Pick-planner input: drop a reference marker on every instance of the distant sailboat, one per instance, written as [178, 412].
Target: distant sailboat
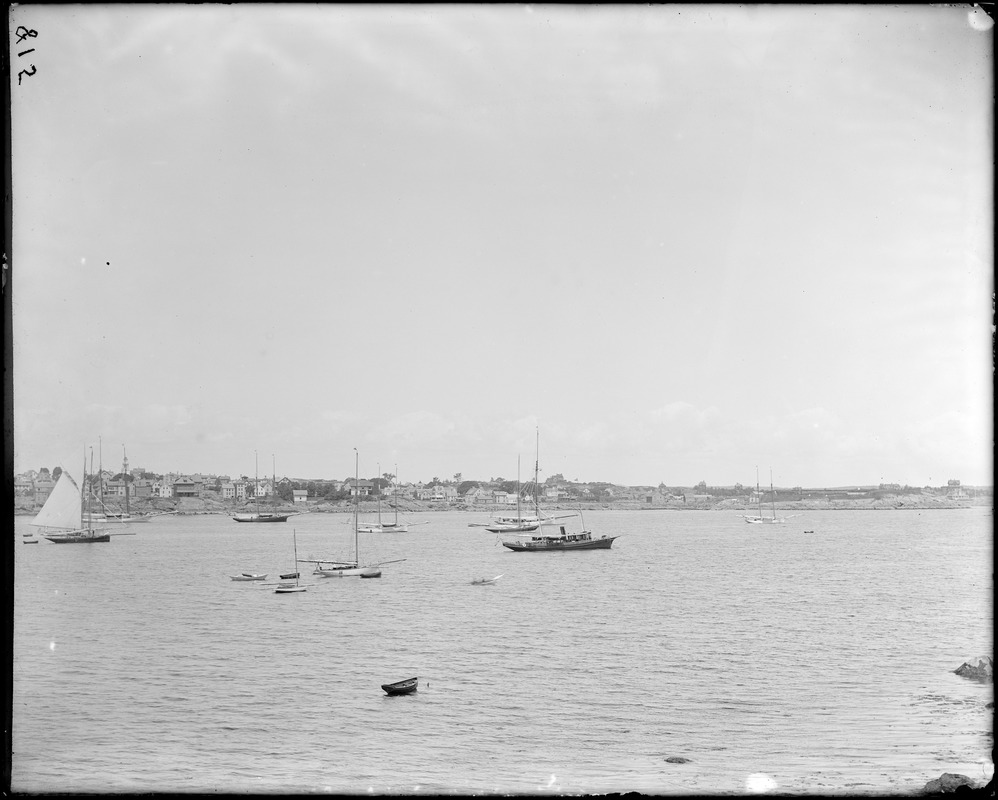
[388, 527]
[521, 523]
[257, 515]
[760, 519]
[328, 568]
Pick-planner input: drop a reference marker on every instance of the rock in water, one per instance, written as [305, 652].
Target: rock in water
[677, 760]
[978, 669]
[946, 783]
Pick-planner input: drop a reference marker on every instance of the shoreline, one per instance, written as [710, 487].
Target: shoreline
[211, 506]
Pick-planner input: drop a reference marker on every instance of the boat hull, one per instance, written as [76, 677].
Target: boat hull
[511, 528]
[401, 687]
[340, 573]
[555, 545]
[80, 539]
[261, 517]
[383, 529]
[248, 577]
[289, 588]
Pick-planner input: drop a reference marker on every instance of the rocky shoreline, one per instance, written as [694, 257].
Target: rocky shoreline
[210, 505]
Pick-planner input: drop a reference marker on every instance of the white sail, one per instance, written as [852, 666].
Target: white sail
[62, 509]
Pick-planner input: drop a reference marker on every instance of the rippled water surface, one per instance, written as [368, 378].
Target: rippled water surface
[806, 662]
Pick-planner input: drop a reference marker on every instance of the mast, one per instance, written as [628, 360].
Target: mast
[295, 537]
[379, 494]
[273, 486]
[256, 482]
[395, 480]
[519, 516]
[772, 493]
[758, 491]
[124, 477]
[100, 469]
[84, 498]
[356, 507]
[537, 456]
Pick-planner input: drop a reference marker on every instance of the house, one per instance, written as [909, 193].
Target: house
[299, 495]
[476, 494]
[141, 487]
[363, 488]
[228, 491]
[187, 487]
[43, 488]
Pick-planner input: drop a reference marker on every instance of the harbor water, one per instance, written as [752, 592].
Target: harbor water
[815, 656]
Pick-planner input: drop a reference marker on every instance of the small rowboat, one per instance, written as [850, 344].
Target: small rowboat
[401, 687]
[485, 581]
[290, 576]
[290, 588]
[249, 576]
[371, 573]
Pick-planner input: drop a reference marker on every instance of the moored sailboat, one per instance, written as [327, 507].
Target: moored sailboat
[328, 568]
[286, 587]
[257, 515]
[388, 527]
[760, 519]
[522, 523]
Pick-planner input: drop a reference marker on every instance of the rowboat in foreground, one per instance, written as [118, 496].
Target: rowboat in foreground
[401, 687]
[481, 581]
[249, 576]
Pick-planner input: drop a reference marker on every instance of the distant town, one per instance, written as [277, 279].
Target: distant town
[31, 489]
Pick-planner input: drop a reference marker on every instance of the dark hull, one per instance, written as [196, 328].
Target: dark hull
[605, 543]
[262, 518]
[401, 687]
[79, 539]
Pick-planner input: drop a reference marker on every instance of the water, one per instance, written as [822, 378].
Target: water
[809, 662]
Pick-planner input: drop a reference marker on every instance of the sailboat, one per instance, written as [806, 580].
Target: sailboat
[521, 523]
[327, 568]
[257, 515]
[67, 516]
[388, 527]
[759, 519]
[286, 587]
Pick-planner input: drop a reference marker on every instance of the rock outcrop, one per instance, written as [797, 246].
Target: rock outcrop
[948, 782]
[978, 669]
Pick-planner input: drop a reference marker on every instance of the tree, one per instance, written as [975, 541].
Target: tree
[44, 473]
[457, 477]
[56, 473]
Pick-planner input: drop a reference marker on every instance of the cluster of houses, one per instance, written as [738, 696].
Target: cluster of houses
[142, 484]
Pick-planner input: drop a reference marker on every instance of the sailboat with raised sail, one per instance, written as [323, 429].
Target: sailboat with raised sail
[66, 516]
[330, 568]
[257, 515]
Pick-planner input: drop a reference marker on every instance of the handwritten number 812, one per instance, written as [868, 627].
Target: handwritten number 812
[22, 34]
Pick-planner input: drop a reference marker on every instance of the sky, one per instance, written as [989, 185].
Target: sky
[634, 244]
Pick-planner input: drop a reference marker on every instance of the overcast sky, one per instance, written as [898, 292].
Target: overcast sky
[682, 242]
